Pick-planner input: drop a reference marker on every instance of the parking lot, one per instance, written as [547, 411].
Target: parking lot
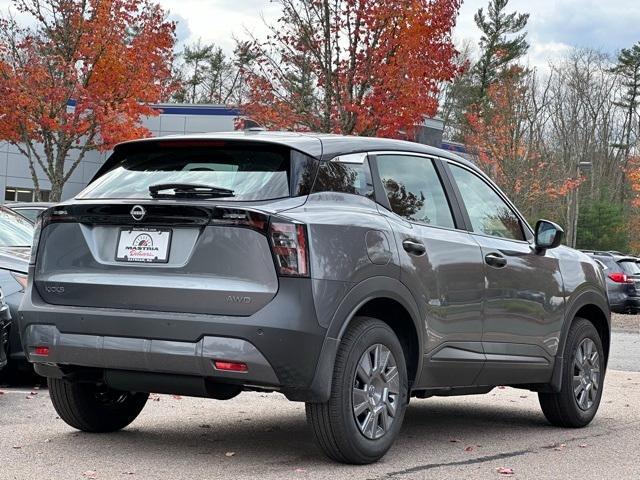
[265, 436]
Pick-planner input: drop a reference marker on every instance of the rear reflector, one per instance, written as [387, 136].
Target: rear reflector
[620, 278]
[230, 366]
[44, 351]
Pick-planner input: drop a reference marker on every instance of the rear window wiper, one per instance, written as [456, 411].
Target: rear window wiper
[188, 190]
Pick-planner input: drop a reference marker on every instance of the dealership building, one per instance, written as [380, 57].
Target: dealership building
[16, 183]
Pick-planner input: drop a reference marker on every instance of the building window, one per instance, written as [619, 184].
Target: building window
[19, 194]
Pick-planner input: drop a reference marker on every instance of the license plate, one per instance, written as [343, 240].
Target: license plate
[146, 245]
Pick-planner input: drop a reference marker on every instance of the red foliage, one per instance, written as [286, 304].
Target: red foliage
[354, 66]
[108, 57]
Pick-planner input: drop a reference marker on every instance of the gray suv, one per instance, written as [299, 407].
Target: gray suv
[347, 273]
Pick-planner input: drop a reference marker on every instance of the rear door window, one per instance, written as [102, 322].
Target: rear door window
[344, 177]
[252, 172]
[630, 267]
[414, 189]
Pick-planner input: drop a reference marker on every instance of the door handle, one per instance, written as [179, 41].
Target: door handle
[495, 259]
[414, 246]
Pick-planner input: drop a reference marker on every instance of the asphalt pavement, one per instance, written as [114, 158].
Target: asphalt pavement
[265, 436]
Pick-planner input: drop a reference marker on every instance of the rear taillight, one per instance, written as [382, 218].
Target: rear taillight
[620, 278]
[290, 248]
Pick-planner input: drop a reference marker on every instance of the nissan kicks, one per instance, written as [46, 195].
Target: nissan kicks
[348, 273]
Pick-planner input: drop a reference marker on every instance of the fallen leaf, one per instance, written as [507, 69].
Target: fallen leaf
[501, 387]
[33, 393]
[583, 445]
[90, 474]
[1, 392]
[17, 447]
[524, 396]
[176, 397]
[470, 448]
[505, 471]
[229, 454]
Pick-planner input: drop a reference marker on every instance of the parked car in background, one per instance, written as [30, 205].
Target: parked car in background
[16, 236]
[31, 210]
[348, 273]
[623, 280]
[5, 319]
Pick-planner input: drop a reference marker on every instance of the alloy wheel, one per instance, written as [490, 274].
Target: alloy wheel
[376, 391]
[586, 374]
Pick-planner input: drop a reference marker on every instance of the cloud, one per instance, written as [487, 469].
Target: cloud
[183, 33]
[556, 25]
[220, 21]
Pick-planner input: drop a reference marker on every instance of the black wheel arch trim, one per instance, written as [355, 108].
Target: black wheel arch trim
[370, 289]
[587, 297]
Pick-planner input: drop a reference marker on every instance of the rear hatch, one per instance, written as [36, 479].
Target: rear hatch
[192, 227]
[632, 271]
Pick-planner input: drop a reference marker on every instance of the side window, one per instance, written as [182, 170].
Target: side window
[489, 214]
[414, 189]
[352, 178]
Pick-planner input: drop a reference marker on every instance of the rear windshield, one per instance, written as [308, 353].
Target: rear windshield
[251, 172]
[630, 267]
[15, 230]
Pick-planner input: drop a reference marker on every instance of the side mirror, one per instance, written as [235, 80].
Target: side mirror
[548, 235]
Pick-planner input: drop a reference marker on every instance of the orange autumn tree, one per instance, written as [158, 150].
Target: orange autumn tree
[79, 78]
[505, 142]
[366, 67]
[633, 225]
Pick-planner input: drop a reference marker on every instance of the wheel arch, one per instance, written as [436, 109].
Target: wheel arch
[386, 299]
[592, 306]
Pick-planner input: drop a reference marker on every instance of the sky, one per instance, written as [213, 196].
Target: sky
[554, 25]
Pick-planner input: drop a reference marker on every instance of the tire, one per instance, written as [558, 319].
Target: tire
[566, 408]
[343, 436]
[94, 408]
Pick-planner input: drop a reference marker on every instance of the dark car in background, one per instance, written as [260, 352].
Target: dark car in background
[623, 280]
[5, 319]
[30, 210]
[16, 236]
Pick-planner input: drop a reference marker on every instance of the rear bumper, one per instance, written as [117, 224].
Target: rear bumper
[628, 305]
[157, 356]
[283, 344]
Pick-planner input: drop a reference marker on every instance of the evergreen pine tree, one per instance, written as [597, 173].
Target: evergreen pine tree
[498, 47]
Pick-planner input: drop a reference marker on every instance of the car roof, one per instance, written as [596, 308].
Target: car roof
[616, 256]
[322, 146]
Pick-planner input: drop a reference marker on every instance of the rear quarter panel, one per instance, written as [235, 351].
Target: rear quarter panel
[349, 242]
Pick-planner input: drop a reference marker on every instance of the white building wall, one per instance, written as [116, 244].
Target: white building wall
[175, 119]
